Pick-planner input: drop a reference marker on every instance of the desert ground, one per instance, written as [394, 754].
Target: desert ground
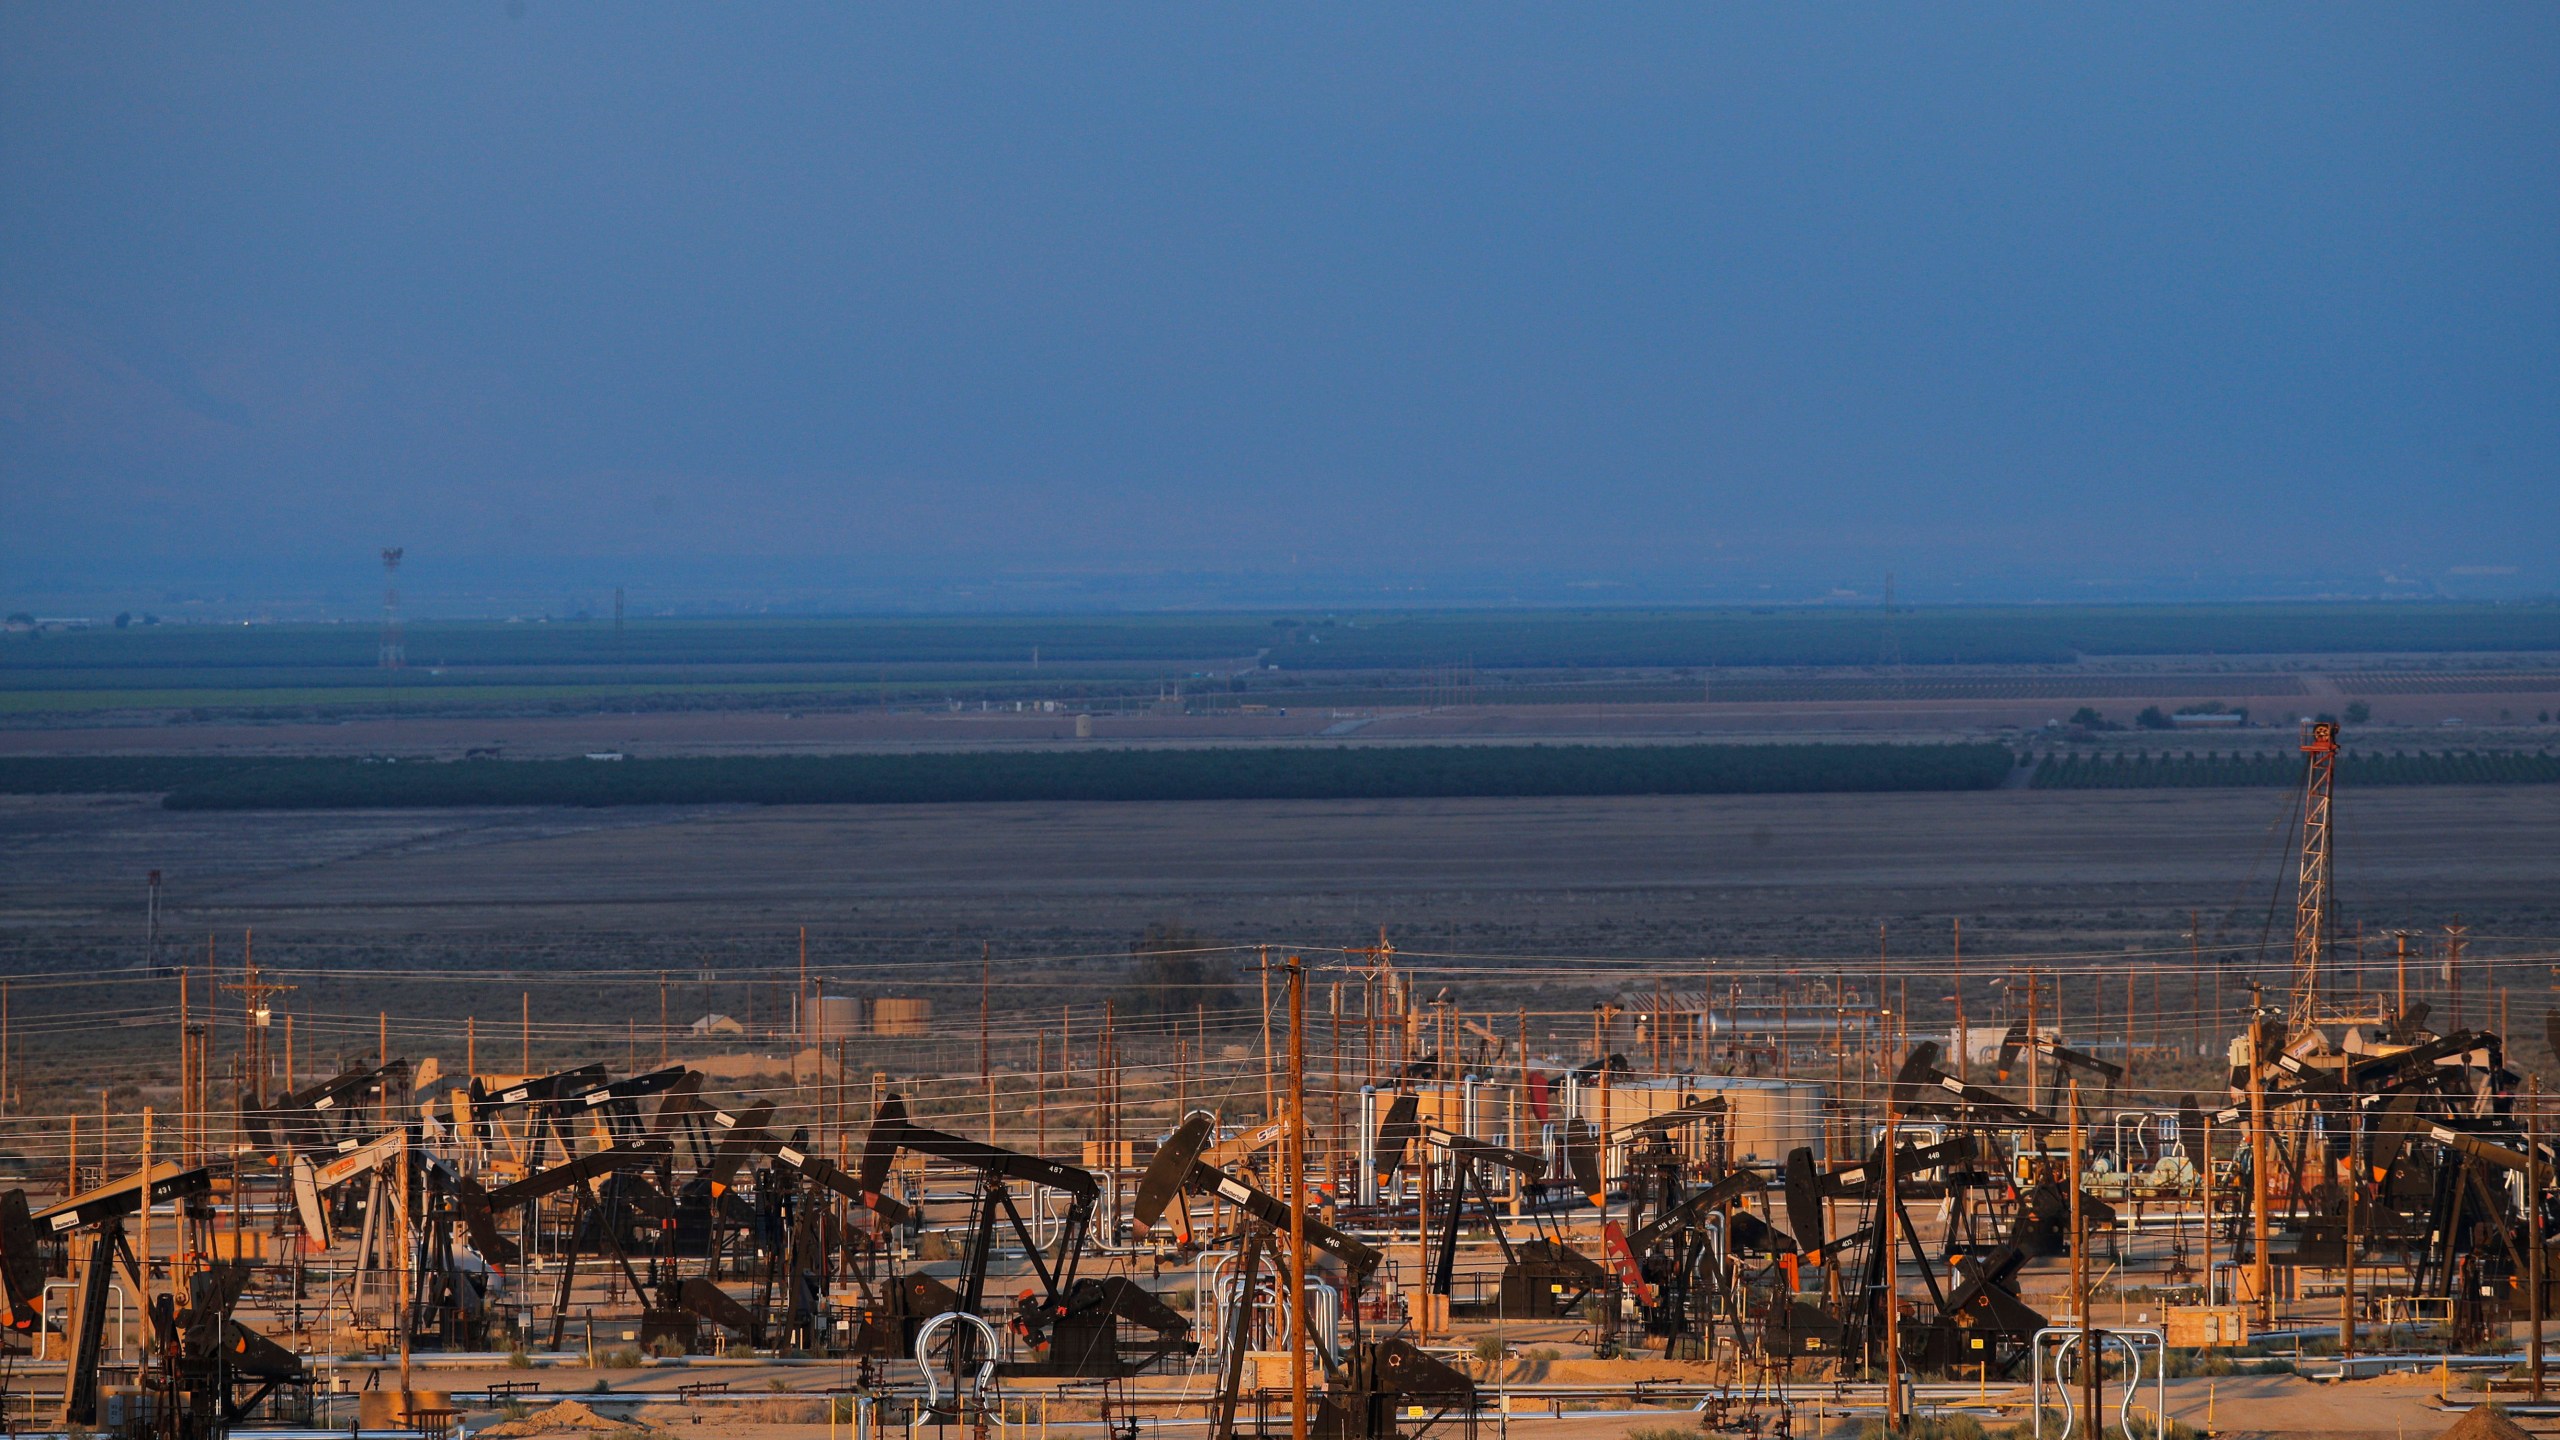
[448, 910]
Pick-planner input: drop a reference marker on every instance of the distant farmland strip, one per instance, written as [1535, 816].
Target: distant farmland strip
[1562, 639]
[1765, 689]
[2182, 772]
[2437, 682]
[1339, 773]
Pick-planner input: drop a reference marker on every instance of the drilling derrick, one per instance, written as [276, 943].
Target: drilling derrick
[2312, 902]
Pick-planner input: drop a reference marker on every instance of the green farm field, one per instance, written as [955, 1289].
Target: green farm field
[1543, 657]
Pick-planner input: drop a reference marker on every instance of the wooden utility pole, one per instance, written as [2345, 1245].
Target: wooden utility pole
[408, 1283]
[986, 1069]
[1270, 1103]
[2035, 1071]
[1785, 1024]
[1604, 1018]
[2261, 1265]
[2453, 935]
[2355, 1191]
[1964, 1037]
[1333, 1091]
[186, 1076]
[2536, 1176]
[2206, 1171]
[1109, 1058]
[1295, 1153]
[1888, 1236]
[142, 1260]
[525, 1059]
[1884, 1006]
[2092, 1383]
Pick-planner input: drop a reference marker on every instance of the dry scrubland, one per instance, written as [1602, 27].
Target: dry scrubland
[919, 888]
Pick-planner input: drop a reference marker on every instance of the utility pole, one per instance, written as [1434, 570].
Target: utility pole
[986, 1071]
[408, 1282]
[186, 1076]
[2536, 1176]
[1604, 1019]
[2195, 974]
[2128, 1021]
[2206, 1171]
[255, 995]
[2261, 1266]
[1964, 1037]
[142, 1262]
[2453, 937]
[1884, 1006]
[2035, 1086]
[1888, 1237]
[2355, 1192]
[2092, 1382]
[1296, 1155]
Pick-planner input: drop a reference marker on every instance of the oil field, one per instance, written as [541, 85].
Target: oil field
[1776, 1082]
[1395, 721]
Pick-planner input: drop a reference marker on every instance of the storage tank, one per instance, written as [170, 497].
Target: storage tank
[833, 1017]
[901, 1017]
[1765, 1117]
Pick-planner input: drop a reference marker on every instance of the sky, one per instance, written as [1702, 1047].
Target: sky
[839, 306]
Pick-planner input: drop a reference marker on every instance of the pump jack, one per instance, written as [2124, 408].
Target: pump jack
[1374, 1381]
[323, 1116]
[1679, 1238]
[1073, 1324]
[1542, 1276]
[203, 1355]
[574, 1175]
[1403, 1130]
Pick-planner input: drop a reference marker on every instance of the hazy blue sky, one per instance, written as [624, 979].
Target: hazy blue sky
[2010, 300]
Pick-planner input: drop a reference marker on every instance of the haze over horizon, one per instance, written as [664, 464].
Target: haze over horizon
[811, 308]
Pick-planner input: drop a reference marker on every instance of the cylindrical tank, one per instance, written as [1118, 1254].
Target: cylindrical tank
[834, 1017]
[901, 1017]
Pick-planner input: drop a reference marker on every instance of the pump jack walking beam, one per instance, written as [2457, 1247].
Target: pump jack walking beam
[103, 1211]
[892, 1131]
[1177, 1170]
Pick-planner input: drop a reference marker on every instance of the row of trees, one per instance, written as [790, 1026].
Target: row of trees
[1264, 773]
[2168, 772]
